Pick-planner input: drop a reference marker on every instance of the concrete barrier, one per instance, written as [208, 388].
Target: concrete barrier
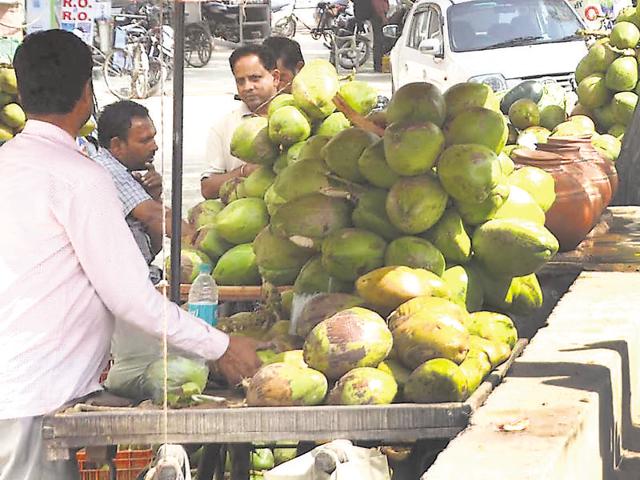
[568, 407]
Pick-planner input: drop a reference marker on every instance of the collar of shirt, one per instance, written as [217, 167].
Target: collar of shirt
[50, 132]
[244, 110]
[104, 156]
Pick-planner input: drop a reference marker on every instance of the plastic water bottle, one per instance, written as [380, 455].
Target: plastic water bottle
[203, 296]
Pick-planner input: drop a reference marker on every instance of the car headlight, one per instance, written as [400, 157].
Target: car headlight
[495, 80]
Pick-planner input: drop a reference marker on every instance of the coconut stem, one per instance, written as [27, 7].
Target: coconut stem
[593, 33]
[357, 119]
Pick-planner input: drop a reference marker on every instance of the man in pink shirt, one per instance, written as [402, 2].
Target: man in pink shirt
[69, 264]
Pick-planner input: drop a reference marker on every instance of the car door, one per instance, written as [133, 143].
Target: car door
[436, 62]
[416, 64]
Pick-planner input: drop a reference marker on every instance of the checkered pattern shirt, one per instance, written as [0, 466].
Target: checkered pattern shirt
[131, 194]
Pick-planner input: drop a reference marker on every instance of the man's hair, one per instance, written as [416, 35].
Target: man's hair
[52, 68]
[264, 54]
[286, 50]
[115, 120]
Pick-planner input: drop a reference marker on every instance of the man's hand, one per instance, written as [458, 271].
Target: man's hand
[240, 361]
[247, 169]
[189, 234]
[151, 182]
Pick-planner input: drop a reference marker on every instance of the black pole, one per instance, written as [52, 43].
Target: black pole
[176, 163]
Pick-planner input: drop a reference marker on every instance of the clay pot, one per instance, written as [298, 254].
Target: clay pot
[589, 153]
[583, 159]
[578, 204]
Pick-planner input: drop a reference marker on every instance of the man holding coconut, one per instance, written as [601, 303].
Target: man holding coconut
[257, 80]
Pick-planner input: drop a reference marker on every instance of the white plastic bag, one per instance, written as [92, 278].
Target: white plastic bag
[170, 462]
[337, 460]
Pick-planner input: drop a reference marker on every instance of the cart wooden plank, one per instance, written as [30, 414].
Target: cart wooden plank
[230, 294]
[613, 245]
[405, 422]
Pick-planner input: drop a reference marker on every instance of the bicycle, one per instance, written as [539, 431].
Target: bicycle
[287, 26]
[346, 39]
[198, 45]
[139, 60]
[198, 41]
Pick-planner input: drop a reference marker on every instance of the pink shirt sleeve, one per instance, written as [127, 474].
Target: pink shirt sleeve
[115, 267]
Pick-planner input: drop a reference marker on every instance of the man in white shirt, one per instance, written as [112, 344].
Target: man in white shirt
[257, 79]
[69, 264]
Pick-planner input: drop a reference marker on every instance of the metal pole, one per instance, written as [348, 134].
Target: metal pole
[176, 163]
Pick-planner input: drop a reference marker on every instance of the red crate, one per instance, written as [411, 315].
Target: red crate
[129, 464]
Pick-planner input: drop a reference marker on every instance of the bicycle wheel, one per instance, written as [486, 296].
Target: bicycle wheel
[363, 47]
[198, 46]
[118, 73]
[141, 86]
[141, 72]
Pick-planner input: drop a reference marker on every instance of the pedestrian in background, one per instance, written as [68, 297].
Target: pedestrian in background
[289, 59]
[376, 12]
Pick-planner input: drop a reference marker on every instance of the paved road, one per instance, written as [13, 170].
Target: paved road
[208, 94]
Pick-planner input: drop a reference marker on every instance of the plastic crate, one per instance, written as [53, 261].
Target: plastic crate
[129, 464]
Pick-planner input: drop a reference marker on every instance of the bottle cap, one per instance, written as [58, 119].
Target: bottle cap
[204, 268]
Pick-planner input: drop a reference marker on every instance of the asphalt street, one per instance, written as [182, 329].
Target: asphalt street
[209, 94]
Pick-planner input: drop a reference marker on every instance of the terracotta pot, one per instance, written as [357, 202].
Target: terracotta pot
[580, 153]
[609, 169]
[589, 153]
[578, 204]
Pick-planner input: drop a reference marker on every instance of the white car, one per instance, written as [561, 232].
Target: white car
[497, 42]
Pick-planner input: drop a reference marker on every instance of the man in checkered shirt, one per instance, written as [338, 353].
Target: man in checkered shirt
[127, 145]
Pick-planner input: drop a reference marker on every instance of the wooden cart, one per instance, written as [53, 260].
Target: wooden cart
[79, 427]
[614, 245]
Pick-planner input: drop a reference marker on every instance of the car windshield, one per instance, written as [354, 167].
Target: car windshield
[481, 25]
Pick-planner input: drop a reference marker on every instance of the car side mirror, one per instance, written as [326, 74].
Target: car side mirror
[430, 46]
[391, 31]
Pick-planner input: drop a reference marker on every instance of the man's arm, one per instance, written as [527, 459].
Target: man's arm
[112, 261]
[117, 271]
[149, 213]
[217, 148]
[210, 186]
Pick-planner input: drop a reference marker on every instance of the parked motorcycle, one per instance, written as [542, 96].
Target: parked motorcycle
[352, 41]
[347, 40]
[223, 20]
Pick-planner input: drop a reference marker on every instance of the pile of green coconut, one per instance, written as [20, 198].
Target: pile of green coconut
[413, 232]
